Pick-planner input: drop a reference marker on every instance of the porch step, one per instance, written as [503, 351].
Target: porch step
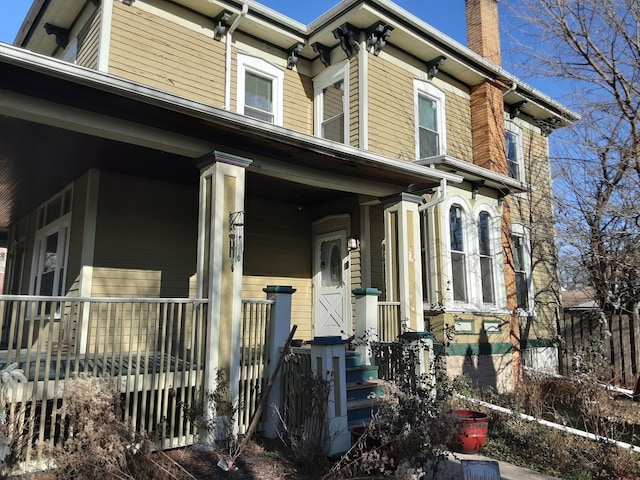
[362, 373]
[352, 359]
[363, 389]
[359, 412]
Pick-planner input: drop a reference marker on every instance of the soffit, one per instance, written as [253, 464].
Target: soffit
[82, 113]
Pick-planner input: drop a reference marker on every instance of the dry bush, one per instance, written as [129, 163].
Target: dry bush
[410, 429]
[97, 442]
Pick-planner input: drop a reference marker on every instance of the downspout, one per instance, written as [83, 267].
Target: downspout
[440, 198]
[512, 88]
[227, 58]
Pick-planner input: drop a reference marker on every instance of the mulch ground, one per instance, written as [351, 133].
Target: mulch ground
[260, 460]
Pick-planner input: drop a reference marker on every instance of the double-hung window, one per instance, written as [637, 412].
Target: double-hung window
[260, 87]
[430, 131]
[515, 157]
[522, 267]
[486, 254]
[331, 105]
[458, 253]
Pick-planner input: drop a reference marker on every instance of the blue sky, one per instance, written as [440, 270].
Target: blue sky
[448, 16]
[445, 16]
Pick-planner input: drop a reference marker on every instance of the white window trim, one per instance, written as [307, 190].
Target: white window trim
[499, 285]
[328, 77]
[428, 89]
[247, 63]
[516, 130]
[467, 234]
[520, 230]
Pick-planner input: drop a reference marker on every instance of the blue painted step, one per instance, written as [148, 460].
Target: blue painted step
[352, 359]
[362, 373]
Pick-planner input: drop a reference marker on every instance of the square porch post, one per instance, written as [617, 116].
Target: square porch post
[220, 240]
[328, 363]
[366, 320]
[403, 259]
[279, 330]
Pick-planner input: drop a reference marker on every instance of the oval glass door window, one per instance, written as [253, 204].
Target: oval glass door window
[331, 260]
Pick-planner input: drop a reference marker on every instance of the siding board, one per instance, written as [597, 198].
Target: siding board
[168, 55]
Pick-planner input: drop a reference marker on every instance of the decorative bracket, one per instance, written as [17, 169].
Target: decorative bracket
[221, 25]
[294, 55]
[548, 125]
[348, 36]
[433, 65]
[516, 109]
[377, 37]
[62, 34]
[475, 186]
[501, 195]
[324, 53]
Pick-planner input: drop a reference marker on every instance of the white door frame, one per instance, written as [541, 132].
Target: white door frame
[331, 299]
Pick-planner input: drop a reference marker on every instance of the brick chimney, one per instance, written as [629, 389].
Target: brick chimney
[483, 30]
[487, 107]
[487, 123]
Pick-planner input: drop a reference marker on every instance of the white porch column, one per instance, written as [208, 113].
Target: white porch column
[220, 255]
[279, 331]
[403, 259]
[366, 319]
[328, 363]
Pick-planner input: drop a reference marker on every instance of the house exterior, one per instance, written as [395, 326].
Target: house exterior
[193, 149]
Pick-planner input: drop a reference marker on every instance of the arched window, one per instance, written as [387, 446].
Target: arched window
[486, 253]
[458, 254]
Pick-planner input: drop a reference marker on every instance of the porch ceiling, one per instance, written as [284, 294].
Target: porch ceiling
[59, 120]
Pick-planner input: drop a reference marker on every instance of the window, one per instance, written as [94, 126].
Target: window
[429, 115]
[522, 267]
[458, 256]
[331, 104]
[515, 160]
[485, 250]
[50, 248]
[260, 87]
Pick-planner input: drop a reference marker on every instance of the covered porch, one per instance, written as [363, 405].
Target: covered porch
[143, 227]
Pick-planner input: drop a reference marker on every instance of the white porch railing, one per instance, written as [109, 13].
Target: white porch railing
[153, 347]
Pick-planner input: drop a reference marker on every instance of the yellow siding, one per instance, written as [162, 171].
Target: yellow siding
[298, 102]
[145, 238]
[354, 102]
[301, 301]
[377, 250]
[78, 212]
[458, 124]
[88, 43]
[277, 240]
[166, 55]
[391, 111]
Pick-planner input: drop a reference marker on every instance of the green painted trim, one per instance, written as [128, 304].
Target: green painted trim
[279, 289]
[223, 157]
[465, 349]
[359, 292]
[541, 343]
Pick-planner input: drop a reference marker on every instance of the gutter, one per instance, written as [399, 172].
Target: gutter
[227, 56]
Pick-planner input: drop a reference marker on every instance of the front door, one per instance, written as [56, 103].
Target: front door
[331, 282]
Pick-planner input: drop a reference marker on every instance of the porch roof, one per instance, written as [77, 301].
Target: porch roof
[60, 120]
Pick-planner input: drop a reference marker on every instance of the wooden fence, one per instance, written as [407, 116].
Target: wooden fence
[586, 332]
